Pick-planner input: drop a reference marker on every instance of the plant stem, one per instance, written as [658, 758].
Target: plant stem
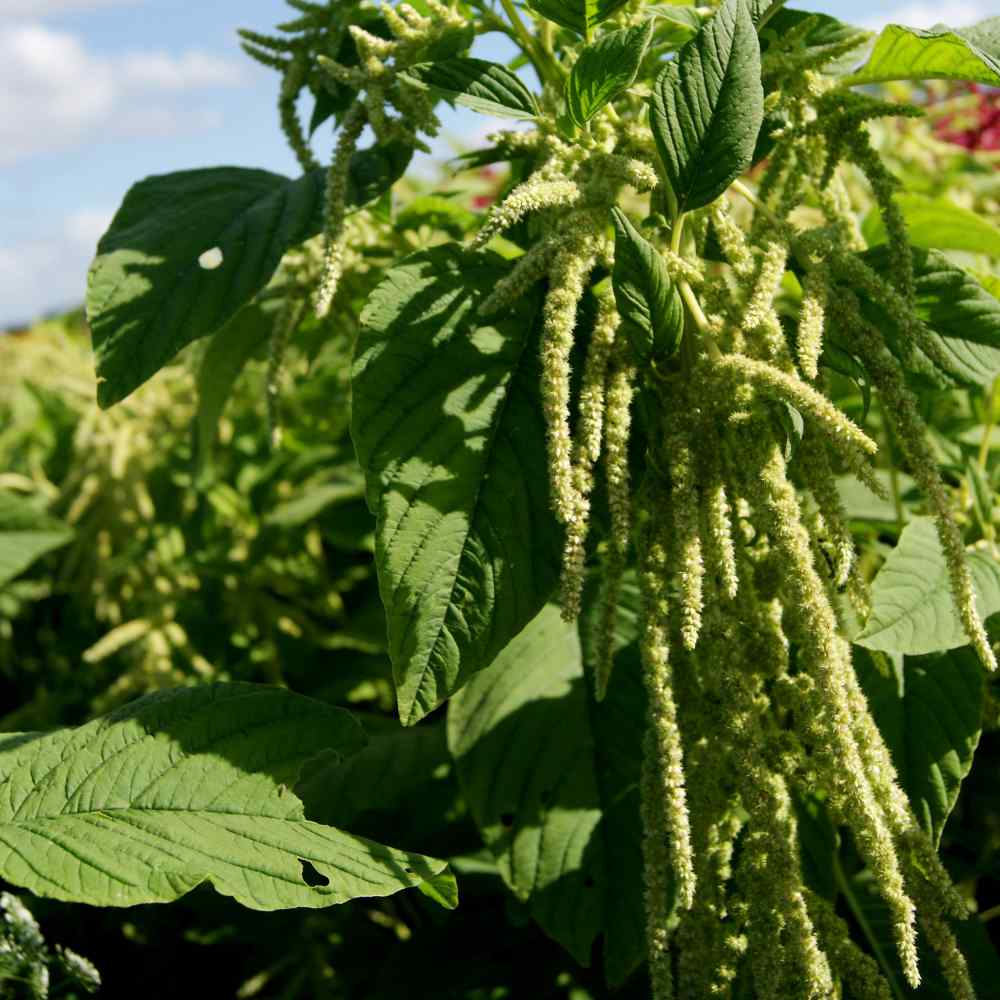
[700, 319]
[526, 40]
[769, 13]
[844, 886]
[894, 486]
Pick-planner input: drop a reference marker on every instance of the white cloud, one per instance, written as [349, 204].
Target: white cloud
[52, 268]
[55, 93]
[42, 8]
[954, 13]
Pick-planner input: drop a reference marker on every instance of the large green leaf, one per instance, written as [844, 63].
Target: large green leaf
[929, 711]
[448, 426]
[402, 780]
[708, 106]
[551, 779]
[184, 787]
[582, 16]
[604, 69]
[963, 317]
[936, 223]
[650, 306]
[26, 533]
[245, 336]
[912, 607]
[187, 250]
[475, 83]
[938, 53]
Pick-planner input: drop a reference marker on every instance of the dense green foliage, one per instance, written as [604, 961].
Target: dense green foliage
[716, 373]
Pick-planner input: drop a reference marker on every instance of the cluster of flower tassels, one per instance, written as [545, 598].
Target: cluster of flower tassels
[740, 543]
[754, 703]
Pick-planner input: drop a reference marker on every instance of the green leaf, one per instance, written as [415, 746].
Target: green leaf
[912, 608]
[581, 16]
[401, 781]
[938, 53]
[937, 223]
[475, 83]
[183, 787]
[340, 485]
[448, 426]
[186, 251]
[26, 534]
[650, 305]
[439, 212]
[604, 69]
[708, 106]
[245, 336]
[963, 317]
[929, 711]
[551, 779]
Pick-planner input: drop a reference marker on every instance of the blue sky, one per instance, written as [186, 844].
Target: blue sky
[95, 94]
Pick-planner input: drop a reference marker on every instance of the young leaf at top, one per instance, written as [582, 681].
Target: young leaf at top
[938, 53]
[448, 427]
[604, 69]
[581, 16]
[551, 779]
[708, 106]
[26, 533]
[964, 318]
[475, 83]
[912, 608]
[650, 307]
[183, 787]
[186, 251]
[929, 711]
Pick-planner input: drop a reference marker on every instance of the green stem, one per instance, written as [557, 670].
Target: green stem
[700, 319]
[845, 888]
[769, 13]
[526, 40]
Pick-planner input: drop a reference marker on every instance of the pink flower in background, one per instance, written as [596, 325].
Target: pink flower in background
[978, 128]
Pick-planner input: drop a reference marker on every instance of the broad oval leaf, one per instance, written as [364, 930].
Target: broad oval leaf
[26, 533]
[938, 53]
[448, 426]
[708, 106]
[475, 83]
[551, 779]
[964, 317]
[912, 607]
[936, 223]
[187, 250]
[929, 710]
[650, 307]
[604, 69]
[581, 16]
[183, 787]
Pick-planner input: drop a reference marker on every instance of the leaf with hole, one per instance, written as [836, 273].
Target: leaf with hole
[483, 86]
[551, 779]
[708, 106]
[604, 69]
[186, 251]
[189, 786]
[448, 426]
